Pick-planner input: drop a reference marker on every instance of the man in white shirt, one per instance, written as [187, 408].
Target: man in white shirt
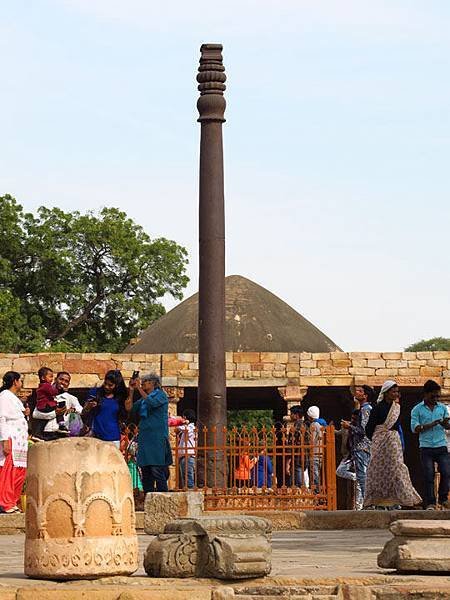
[72, 405]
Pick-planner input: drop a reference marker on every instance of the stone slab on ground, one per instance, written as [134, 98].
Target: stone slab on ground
[299, 590]
[162, 507]
[315, 561]
[417, 546]
[231, 547]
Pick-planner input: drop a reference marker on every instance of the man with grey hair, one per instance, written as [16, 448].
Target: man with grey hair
[152, 409]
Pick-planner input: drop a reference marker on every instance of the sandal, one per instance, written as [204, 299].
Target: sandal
[12, 510]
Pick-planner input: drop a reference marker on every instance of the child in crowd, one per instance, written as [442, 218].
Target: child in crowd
[186, 447]
[124, 432]
[46, 402]
[263, 473]
[130, 458]
[244, 470]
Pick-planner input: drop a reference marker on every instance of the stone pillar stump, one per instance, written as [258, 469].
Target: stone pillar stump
[80, 521]
[417, 546]
[221, 547]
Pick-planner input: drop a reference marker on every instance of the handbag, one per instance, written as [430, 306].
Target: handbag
[75, 424]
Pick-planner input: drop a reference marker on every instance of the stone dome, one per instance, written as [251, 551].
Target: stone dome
[256, 320]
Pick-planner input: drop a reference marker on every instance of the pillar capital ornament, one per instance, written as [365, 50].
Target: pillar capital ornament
[293, 394]
[174, 393]
[211, 84]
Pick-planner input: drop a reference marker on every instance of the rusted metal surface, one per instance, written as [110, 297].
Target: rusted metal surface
[211, 405]
[265, 469]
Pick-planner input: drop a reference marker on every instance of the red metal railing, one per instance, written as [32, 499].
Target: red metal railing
[279, 468]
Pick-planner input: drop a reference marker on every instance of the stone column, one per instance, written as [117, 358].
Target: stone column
[211, 407]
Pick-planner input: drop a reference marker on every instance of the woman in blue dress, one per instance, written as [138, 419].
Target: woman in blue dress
[105, 410]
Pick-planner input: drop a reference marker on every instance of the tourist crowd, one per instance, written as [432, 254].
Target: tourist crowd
[375, 444]
[136, 420]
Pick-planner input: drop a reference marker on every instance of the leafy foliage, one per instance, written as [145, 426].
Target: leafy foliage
[437, 343]
[249, 419]
[80, 282]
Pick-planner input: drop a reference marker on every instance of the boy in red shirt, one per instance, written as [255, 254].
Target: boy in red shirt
[46, 400]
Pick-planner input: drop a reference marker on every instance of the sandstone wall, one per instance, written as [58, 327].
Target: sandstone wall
[246, 369]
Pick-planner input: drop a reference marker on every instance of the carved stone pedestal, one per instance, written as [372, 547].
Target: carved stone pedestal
[80, 520]
[417, 546]
[219, 547]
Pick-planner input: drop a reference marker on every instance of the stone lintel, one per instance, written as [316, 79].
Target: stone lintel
[319, 381]
[412, 381]
[264, 382]
[186, 383]
[169, 381]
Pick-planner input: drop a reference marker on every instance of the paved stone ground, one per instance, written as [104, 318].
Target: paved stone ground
[328, 553]
[312, 555]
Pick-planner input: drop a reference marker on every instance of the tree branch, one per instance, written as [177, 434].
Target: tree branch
[80, 319]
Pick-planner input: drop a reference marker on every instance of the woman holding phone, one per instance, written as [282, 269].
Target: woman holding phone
[104, 410]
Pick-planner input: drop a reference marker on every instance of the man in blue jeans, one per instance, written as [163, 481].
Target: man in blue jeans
[360, 442]
[430, 419]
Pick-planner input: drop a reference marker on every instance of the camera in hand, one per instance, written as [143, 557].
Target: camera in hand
[135, 375]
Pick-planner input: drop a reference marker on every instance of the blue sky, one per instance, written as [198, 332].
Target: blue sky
[336, 142]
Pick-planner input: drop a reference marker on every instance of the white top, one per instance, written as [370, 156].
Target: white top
[52, 425]
[187, 440]
[13, 426]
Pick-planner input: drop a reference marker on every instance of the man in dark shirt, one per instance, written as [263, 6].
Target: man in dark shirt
[360, 441]
[296, 472]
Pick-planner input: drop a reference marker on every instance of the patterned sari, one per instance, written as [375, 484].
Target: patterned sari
[388, 482]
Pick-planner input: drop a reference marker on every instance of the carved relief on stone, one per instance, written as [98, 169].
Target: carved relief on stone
[174, 393]
[220, 547]
[80, 520]
[172, 556]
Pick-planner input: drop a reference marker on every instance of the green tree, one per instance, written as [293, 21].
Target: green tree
[249, 419]
[437, 343]
[81, 282]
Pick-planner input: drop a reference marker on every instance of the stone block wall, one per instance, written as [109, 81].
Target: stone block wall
[246, 369]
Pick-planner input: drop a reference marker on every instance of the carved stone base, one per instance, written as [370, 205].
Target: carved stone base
[161, 508]
[417, 546]
[80, 519]
[219, 547]
[81, 558]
